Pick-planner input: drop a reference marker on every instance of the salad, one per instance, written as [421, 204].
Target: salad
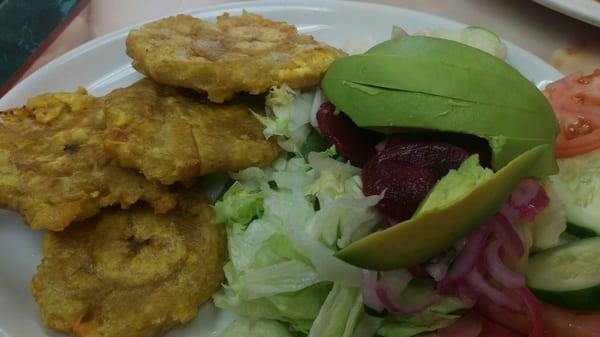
[419, 194]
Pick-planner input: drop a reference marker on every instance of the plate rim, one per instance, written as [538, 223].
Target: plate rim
[573, 11]
[98, 42]
[207, 11]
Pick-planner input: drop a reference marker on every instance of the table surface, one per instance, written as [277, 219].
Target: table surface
[566, 43]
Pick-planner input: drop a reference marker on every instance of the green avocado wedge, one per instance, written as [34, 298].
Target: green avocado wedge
[436, 227]
[436, 84]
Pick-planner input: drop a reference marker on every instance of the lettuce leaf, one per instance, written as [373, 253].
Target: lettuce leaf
[284, 224]
[436, 317]
[288, 117]
[339, 314]
[256, 328]
[298, 309]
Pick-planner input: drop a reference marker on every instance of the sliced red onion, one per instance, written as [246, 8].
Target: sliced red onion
[482, 287]
[507, 235]
[467, 259]
[535, 206]
[468, 325]
[524, 192]
[535, 311]
[467, 296]
[498, 269]
[384, 295]
[396, 280]
[510, 213]
[389, 291]
[517, 322]
[370, 298]
[529, 199]
[399, 306]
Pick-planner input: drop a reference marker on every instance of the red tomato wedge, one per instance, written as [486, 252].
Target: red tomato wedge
[557, 322]
[491, 329]
[576, 103]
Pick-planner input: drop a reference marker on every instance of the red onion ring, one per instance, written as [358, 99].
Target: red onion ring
[508, 211]
[389, 292]
[535, 311]
[498, 269]
[510, 240]
[396, 280]
[467, 296]
[479, 285]
[529, 199]
[467, 259]
[524, 193]
[370, 298]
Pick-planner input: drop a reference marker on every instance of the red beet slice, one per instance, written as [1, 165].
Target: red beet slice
[472, 144]
[406, 172]
[436, 156]
[351, 142]
[405, 186]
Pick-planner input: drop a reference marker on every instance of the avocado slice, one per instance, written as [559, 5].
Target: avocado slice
[436, 84]
[459, 202]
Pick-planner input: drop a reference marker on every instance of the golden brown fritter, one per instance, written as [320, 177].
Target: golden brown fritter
[172, 134]
[131, 273]
[53, 166]
[246, 53]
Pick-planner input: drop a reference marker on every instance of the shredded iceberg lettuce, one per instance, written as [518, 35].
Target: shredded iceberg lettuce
[290, 116]
[435, 317]
[339, 314]
[284, 224]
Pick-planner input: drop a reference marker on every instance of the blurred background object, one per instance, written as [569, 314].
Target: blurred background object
[27, 28]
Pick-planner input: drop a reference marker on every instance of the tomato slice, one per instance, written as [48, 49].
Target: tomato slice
[491, 329]
[557, 322]
[576, 103]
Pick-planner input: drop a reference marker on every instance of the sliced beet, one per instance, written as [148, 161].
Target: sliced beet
[436, 156]
[406, 171]
[351, 142]
[405, 186]
[472, 144]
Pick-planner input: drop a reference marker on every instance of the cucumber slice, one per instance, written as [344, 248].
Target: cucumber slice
[568, 275]
[474, 36]
[485, 40]
[578, 186]
[580, 232]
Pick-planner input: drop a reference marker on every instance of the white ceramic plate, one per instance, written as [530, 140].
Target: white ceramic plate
[584, 10]
[102, 65]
